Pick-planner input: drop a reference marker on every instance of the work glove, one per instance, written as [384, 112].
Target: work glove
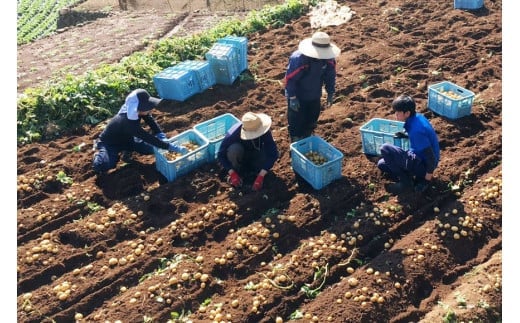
[259, 181]
[174, 147]
[400, 134]
[161, 136]
[234, 179]
[294, 104]
[330, 98]
[422, 186]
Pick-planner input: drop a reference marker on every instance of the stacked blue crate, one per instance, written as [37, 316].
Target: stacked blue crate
[203, 71]
[223, 59]
[176, 83]
[240, 43]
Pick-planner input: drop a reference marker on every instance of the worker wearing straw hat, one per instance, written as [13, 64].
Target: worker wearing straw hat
[248, 147]
[311, 66]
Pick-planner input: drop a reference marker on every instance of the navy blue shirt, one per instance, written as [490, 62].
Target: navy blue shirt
[264, 143]
[305, 76]
[121, 131]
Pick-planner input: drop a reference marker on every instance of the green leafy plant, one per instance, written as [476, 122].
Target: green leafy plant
[71, 101]
[94, 207]
[63, 178]
[320, 273]
[296, 315]
[461, 300]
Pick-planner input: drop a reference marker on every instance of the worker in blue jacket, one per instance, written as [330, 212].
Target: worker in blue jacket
[248, 147]
[124, 133]
[311, 66]
[412, 168]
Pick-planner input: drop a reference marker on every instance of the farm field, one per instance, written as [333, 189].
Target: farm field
[131, 247]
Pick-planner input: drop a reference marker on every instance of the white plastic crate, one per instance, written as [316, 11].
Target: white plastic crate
[377, 132]
[450, 100]
[318, 176]
[172, 169]
[214, 130]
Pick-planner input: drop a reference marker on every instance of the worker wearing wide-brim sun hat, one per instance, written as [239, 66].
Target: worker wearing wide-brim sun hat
[311, 67]
[248, 147]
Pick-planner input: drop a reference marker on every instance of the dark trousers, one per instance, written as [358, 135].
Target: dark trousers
[245, 161]
[301, 124]
[400, 164]
[107, 156]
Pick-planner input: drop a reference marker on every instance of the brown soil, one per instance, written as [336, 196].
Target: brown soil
[288, 249]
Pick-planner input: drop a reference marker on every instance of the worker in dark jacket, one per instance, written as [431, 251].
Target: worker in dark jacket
[248, 146]
[310, 68]
[125, 134]
[413, 168]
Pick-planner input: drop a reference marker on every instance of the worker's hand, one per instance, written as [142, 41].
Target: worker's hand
[400, 134]
[161, 136]
[234, 179]
[259, 182]
[174, 147]
[294, 104]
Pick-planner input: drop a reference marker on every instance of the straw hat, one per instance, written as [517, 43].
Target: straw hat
[254, 125]
[319, 46]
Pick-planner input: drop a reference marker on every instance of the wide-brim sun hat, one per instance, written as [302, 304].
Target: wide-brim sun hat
[139, 100]
[319, 46]
[254, 125]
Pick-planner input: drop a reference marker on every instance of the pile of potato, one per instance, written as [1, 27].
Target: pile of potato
[316, 157]
[170, 155]
[451, 94]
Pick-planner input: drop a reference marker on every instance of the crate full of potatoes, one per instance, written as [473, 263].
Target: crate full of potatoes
[450, 100]
[317, 161]
[172, 165]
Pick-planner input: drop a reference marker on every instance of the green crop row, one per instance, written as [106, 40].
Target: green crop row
[38, 18]
[74, 101]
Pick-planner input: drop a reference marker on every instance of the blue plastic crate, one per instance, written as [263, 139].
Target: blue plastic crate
[468, 4]
[203, 71]
[214, 130]
[378, 131]
[172, 169]
[176, 83]
[223, 59]
[318, 176]
[450, 100]
[240, 43]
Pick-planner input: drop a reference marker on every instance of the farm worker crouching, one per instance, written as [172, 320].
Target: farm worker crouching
[413, 168]
[124, 133]
[311, 66]
[248, 147]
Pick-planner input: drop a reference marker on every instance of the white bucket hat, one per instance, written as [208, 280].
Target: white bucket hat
[319, 46]
[254, 125]
[138, 100]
